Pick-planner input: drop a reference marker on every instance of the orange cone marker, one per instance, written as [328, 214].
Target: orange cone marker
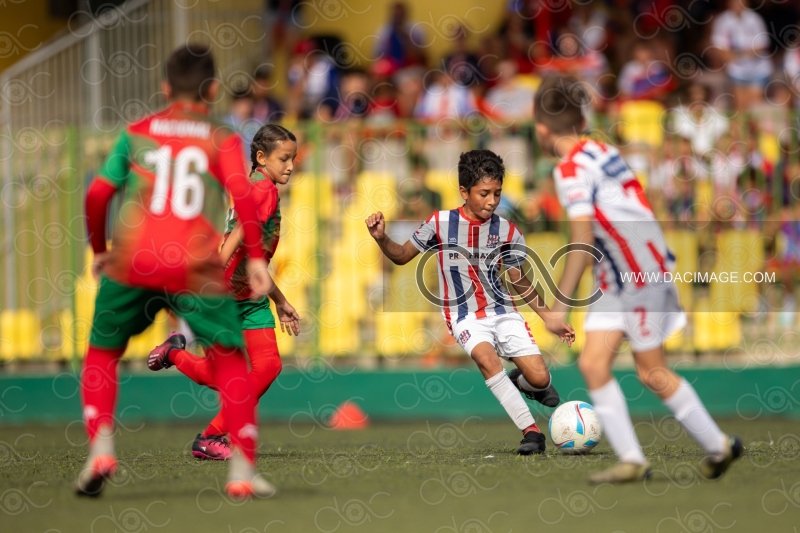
[349, 416]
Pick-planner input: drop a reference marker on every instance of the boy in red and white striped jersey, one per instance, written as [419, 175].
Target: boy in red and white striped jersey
[472, 244]
[607, 208]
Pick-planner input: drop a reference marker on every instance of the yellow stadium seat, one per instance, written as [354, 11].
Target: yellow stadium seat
[684, 246]
[769, 147]
[338, 333]
[739, 253]
[446, 184]
[342, 290]
[641, 122]
[299, 232]
[74, 334]
[314, 191]
[544, 245]
[514, 187]
[379, 191]
[19, 334]
[704, 193]
[402, 334]
[715, 330]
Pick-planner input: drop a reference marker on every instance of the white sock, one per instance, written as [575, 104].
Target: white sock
[611, 407]
[690, 412]
[524, 385]
[509, 397]
[239, 468]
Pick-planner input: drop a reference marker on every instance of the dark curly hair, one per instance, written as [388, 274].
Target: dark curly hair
[475, 165]
[266, 140]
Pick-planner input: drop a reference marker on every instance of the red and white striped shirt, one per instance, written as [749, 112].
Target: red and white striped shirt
[470, 254]
[593, 180]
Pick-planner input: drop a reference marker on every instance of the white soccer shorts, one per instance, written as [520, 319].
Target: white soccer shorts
[508, 333]
[647, 316]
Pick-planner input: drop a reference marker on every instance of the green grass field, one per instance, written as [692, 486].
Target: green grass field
[432, 477]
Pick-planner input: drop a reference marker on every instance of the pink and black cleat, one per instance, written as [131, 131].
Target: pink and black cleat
[211, 447]
[159, 357]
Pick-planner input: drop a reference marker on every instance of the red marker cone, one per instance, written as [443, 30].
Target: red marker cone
[348, 416]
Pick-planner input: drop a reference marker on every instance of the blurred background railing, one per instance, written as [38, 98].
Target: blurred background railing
[724, 183]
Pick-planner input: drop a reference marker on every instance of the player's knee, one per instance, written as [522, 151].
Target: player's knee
[590, 366]
[264, 375]
[657, 379]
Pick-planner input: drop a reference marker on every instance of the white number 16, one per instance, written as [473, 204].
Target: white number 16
[188, 190]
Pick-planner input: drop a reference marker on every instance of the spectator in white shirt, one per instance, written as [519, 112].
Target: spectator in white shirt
[699, 121]
[445, 99]
[510, 99]
[742, 39]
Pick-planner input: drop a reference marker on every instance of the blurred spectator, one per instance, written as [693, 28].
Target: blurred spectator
[312, 77]
[699, 121]
[418, 201]
[588, 22]
[462, 64]
[409, 90]
[742, 38]
[791, 69]
[399, 40]
[265, 108]
[682, 204]
[543, 207]
[350, 101]
[241, 117]
[510, 99]
[518, 36]
[726, 163]
[644, 78]
[444, 98]
[573, 58]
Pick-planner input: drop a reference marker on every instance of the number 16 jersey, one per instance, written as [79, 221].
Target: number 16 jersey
[172, 167]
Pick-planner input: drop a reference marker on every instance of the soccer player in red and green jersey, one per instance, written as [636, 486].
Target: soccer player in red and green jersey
[272, 152]
[175, 169]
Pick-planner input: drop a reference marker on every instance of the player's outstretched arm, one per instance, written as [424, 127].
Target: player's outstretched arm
[580, 229]
[553, 321]
[397, 253]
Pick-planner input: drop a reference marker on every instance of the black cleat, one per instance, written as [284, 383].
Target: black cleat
[713, 469]
[159, 357]
[548, 396]
[532, 442]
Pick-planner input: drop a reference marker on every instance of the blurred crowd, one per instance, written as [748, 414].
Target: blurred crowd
[700, 95]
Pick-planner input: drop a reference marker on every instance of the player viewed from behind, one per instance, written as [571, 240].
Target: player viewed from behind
[176, 168]
[607, 208]
[472, 243]
[272, 153]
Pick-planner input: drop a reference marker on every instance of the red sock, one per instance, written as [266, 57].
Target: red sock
[532, 427]
[265, 362]
[236, 395]
[198, 369]
[99, 385]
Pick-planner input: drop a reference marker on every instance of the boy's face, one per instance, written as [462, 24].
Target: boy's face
[483, 197]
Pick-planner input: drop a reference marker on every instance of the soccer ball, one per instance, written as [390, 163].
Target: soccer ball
[575, 427]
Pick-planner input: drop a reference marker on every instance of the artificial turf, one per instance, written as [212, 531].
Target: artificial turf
[426, 476]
